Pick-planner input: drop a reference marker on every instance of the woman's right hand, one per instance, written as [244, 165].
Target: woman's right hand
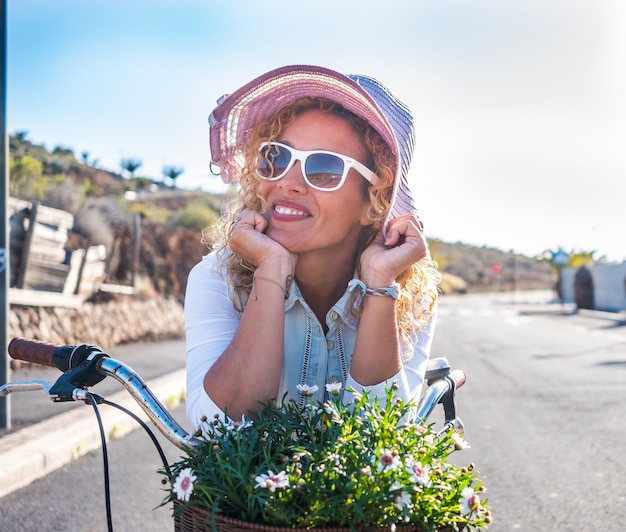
[250, 243]
[249, 369]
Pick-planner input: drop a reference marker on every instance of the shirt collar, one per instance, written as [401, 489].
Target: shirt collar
[341, 307]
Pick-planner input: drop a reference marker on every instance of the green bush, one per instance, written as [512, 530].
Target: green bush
[26, 180]
[197, 215]
[151, 213]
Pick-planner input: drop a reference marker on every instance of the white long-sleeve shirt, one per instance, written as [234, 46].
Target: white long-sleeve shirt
[311, 357]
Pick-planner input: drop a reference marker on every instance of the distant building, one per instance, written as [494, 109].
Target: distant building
[608, 285]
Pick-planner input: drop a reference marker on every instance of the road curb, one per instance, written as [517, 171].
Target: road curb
[35, 451]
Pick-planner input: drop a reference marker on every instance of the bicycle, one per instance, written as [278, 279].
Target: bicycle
[85, 365]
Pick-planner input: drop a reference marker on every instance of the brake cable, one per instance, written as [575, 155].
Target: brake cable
[95, 400]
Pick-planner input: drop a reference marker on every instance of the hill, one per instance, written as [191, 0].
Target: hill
[485, 269]
[107, 205]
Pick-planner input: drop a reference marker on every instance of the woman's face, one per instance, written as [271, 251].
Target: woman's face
[306, 220]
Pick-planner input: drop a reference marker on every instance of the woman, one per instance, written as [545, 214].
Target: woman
[320, 277]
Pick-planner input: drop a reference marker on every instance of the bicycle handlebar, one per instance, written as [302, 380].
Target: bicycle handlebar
[32, 351]
[459, 377]
[89, 365]
[85, 365]
[441, 391]
[62, 357]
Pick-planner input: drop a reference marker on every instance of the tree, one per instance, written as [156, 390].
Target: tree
[172, 172]
[572, 259]
[131, 166]
[18, 143]
[62, 151]
[21, 135]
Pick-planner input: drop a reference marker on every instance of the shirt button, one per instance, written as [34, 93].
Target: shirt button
[330, 344]
[334, 380]
[333, 315]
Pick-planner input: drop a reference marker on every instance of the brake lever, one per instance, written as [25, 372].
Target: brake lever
[24, 386]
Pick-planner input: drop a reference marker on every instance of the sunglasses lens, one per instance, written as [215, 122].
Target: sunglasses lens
[324, 170]
[274, 161]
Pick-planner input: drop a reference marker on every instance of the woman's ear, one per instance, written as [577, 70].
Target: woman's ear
[365, 217]
[366, 203]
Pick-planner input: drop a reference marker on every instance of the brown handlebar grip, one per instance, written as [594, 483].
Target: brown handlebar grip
[32, 351]
[458, 376]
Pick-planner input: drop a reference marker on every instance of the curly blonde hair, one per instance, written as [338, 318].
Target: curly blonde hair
[419, 282]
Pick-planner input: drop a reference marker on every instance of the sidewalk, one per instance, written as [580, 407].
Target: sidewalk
[45, 436]
[544, 301]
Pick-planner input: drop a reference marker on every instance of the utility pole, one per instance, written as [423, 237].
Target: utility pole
[5, 411]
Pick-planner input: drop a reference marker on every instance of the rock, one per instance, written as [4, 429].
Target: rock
[121, 320]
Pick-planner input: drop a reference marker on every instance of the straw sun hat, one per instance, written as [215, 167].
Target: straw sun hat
[237, 113]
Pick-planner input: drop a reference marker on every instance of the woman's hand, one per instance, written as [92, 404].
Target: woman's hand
[383, 260]
[249, 369]
[250, 243]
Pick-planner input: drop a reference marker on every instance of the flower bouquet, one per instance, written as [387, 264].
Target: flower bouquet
[333, 466]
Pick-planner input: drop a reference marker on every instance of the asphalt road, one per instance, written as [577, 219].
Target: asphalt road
[72, 497]
[542, 408]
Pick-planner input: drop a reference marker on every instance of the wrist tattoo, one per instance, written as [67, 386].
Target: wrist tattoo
[286, 290]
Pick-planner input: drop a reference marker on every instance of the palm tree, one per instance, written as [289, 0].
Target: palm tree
[173, 172]
[130, 165]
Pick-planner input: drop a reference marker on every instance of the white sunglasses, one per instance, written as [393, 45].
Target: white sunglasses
[322, 170]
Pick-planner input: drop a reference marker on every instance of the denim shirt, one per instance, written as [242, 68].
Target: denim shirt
[311, 357]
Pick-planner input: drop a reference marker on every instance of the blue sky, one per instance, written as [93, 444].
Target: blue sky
[520, 106]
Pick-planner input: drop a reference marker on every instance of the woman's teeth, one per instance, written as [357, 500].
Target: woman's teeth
[286, 210]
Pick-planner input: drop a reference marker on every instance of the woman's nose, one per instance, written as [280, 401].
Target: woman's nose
[294, 178]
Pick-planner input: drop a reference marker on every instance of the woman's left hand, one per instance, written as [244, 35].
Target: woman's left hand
[383, 260]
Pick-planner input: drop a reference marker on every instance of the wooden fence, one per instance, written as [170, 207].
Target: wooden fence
[40, 261]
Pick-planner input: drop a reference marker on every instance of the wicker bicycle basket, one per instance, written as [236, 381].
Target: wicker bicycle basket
[197, 519]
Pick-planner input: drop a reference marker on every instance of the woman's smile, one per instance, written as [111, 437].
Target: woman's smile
[288, 212]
